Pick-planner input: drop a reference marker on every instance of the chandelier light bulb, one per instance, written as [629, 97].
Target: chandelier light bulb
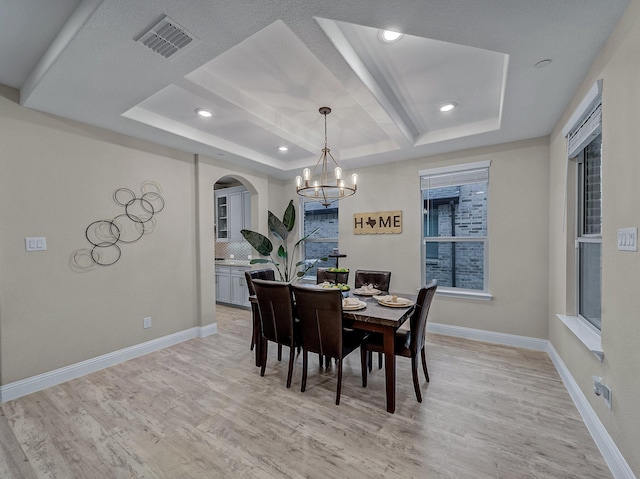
[298, 181]
[354, 179]
[306, 174]
[338, 173]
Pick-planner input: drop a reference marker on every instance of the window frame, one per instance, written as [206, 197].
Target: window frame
[303, 251]
[483, 294]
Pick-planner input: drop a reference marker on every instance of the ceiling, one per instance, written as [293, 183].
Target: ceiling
[264, 68]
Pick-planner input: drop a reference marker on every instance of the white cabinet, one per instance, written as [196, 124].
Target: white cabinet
[223, 284]
[233, 213]
[231, 285]
[239, 290]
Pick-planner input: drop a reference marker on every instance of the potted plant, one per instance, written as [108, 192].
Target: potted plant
[288, 271]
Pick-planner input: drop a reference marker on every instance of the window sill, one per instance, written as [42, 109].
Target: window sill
[587, 335]
[464, 294]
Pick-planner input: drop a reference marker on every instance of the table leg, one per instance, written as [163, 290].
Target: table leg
[256, 334]
[390, 368]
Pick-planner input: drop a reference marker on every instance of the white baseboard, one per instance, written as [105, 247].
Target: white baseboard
[610, 452]
[488, 336]
[42, 381]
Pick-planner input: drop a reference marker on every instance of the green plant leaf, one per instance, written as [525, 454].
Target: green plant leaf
[282, 253]
[289, 217]
[261, 261]
[277, 228]
[260, 243]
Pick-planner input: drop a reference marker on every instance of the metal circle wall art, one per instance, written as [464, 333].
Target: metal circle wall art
[106, 235]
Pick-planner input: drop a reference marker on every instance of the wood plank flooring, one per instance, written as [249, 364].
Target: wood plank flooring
[201, 410]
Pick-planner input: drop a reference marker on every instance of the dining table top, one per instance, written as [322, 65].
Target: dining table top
[376, 313]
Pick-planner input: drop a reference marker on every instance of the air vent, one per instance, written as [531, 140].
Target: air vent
[166, 37]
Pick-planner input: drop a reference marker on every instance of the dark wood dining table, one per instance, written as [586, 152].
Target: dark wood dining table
[378, 319]
[385, 320]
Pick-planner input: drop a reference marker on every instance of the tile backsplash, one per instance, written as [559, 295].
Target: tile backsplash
[240, 249]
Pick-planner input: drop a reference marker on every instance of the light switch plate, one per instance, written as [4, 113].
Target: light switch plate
[35, 243]
[628, 239]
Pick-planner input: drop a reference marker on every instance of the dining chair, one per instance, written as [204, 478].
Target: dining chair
[266, 274]
[277, 320]
[323, 274]
[379, 279]
[320, 315]
[408, 343]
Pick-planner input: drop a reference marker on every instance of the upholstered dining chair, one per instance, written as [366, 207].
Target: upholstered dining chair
[277, 320]
[323, 274]
[320, 315]
[379, 279]
[266, 274]
[408, 343]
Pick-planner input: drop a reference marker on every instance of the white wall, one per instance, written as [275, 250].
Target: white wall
[56, 177]
[618, 65]
[517, 226]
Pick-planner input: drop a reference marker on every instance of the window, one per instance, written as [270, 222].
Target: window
[321, 244]
[589, 237]
[454, 205]
[584, 146]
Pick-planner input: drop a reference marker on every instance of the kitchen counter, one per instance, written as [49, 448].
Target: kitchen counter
[232, 262]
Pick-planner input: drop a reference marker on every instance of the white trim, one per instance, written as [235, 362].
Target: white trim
[57, 376]
[464, 294]
[584, 107]
[488, 336]
[610, 452]
[454, 168]
[585, 333]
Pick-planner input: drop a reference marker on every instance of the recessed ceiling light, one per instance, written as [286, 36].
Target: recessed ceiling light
[283, 148]
[447, 106]
[204, 113]
[390, 36]
[542, 63]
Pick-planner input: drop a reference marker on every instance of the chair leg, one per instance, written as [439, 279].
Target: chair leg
[263, 359]
[414, 372]
[370, 361]
[364, 365]
[379, 360]
[424, 364]
[304, 370]
[279, 352]
[339, 390]
[321, 359]
[292, 352]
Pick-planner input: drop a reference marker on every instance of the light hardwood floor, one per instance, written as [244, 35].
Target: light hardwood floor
[201, 410]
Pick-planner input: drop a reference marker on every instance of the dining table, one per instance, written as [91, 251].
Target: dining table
[385, 320]
[375, 318]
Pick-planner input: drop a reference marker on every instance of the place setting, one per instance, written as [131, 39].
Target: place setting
[367, 290]
[393, 301]
[353, 304]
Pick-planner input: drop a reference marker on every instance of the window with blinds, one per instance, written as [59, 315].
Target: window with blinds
[454, 224]
[584, 146]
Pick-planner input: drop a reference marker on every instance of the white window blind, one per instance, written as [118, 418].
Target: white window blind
[581, 136]
[459, 175]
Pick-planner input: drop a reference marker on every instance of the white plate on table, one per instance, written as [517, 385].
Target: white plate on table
[366, 292]
[353, 306]
[398, 303]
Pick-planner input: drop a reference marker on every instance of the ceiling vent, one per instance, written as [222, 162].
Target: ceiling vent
[166, 37]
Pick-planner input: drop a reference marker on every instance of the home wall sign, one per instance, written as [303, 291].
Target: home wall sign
[378, 223]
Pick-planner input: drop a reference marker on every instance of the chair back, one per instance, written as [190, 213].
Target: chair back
[266, 274]
[275, 306]
[379, 279]
[320, 315]
[418, 320]
[323, 274]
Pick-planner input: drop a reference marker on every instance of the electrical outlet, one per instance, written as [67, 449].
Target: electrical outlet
[601, 389]
[146, 322]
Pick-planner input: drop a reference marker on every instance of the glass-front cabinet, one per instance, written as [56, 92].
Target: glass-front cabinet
[233, 213]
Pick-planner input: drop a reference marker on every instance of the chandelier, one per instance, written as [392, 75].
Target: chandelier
[325, 188]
